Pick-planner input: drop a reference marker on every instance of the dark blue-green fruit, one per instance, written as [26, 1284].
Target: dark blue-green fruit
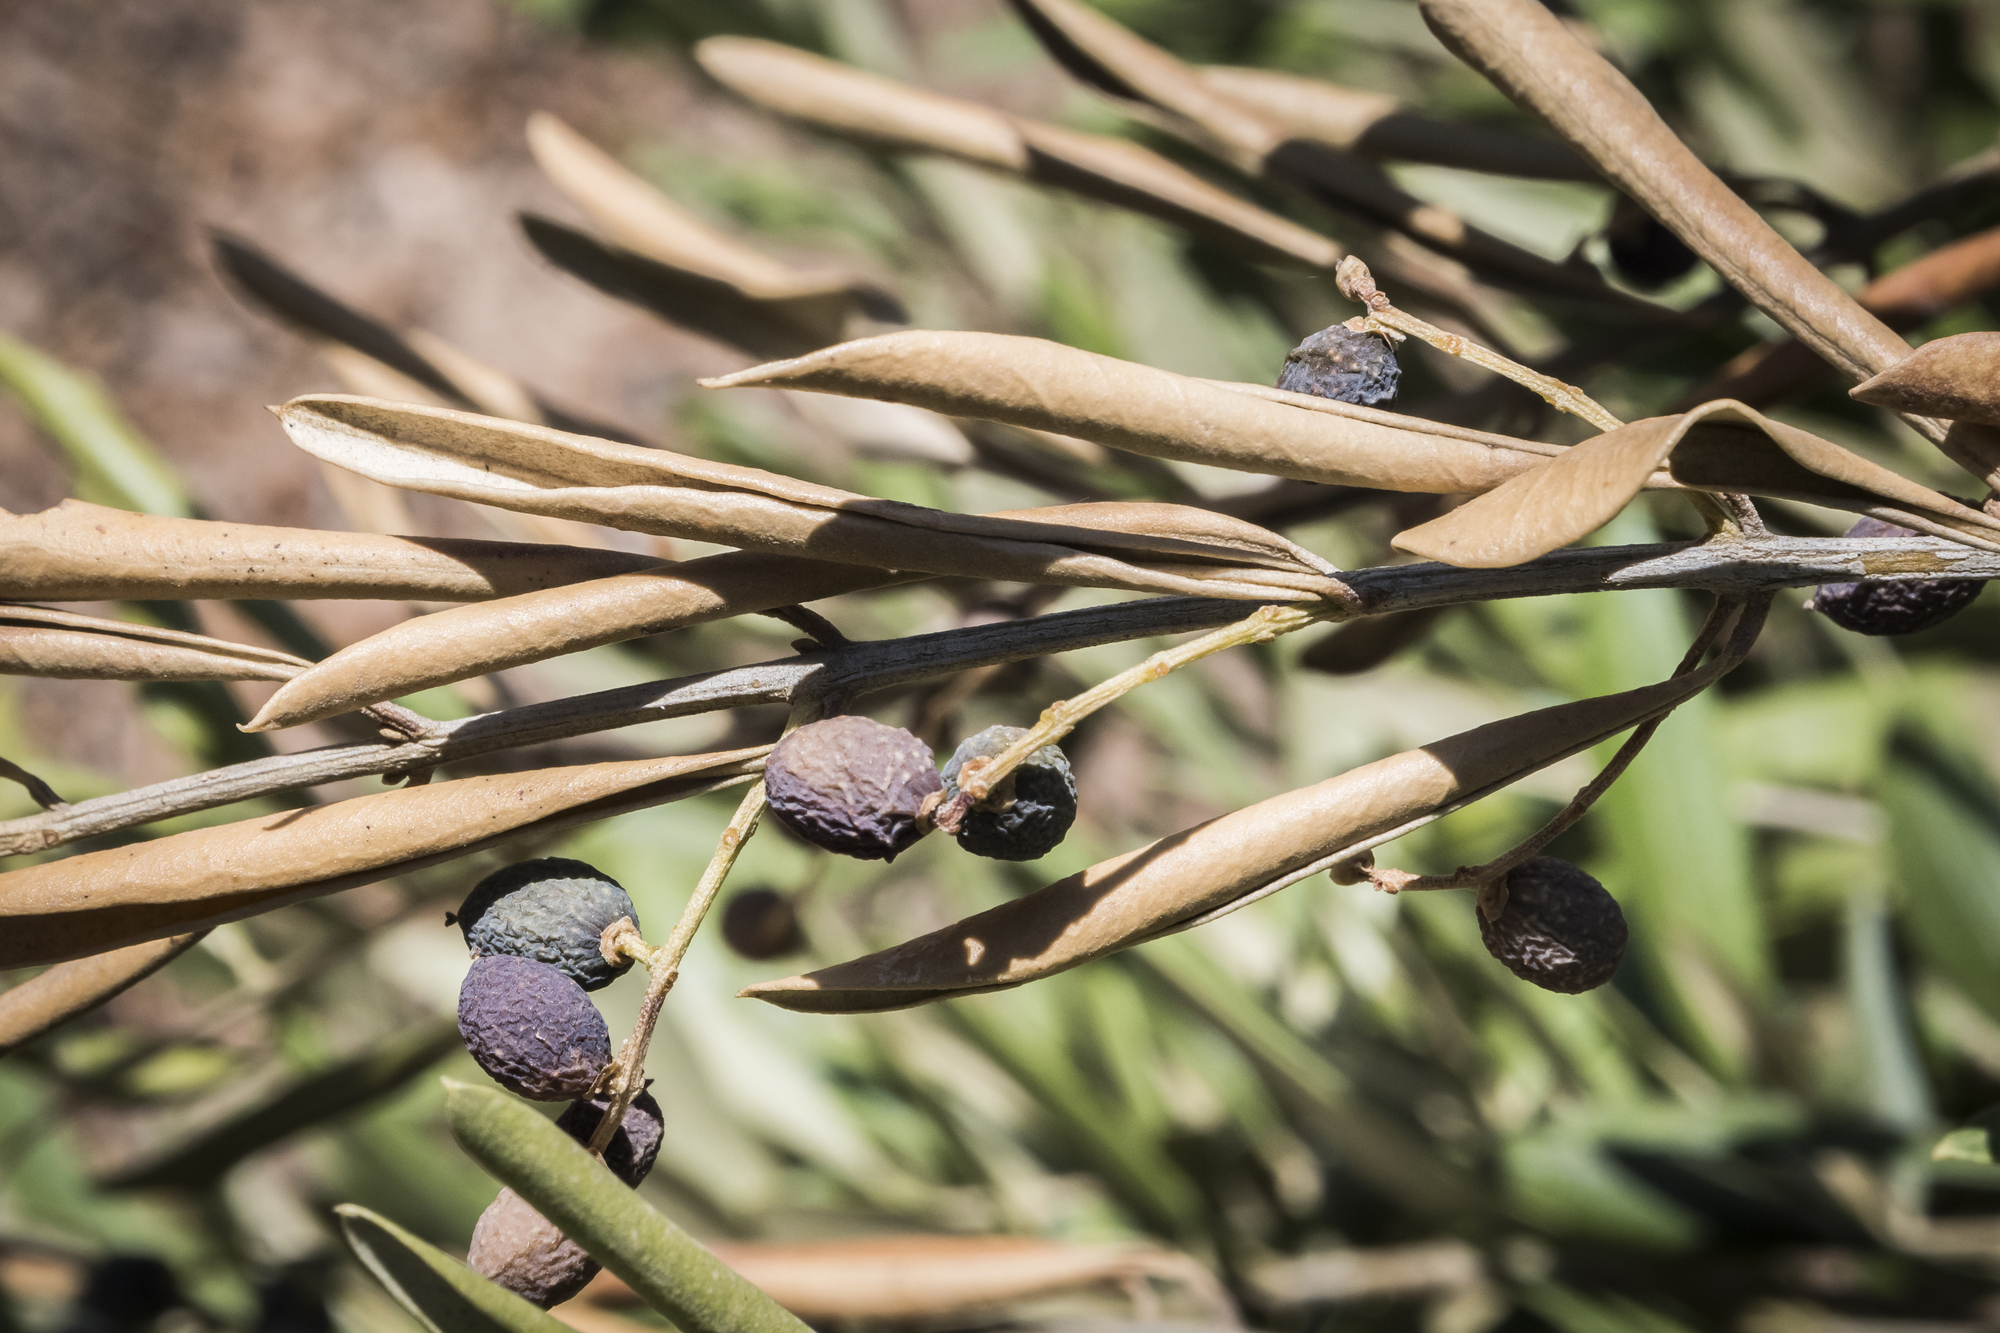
[531, 1028]
[633, 1146]
[852, 785]
[1902, 607]
[553, 911]
[1028, 813]
[1559, 928]
[1346, 364]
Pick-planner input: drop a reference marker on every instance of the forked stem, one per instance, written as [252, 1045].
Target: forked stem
[980, 776]
[663, 963]
[1489, 879]
[1358, 284]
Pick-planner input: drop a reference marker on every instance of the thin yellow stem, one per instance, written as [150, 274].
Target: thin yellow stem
[1356, 283]
[979, 777]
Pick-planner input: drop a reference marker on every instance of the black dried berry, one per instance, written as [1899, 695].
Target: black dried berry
[761, 924]
[553, 911]
[1027, 814]
[633, 1146]
[852, 785]
[523, 1251]
[1559, 929]
[1903, 607]
[1645, 252]
[531, 1028]
[1345, 363]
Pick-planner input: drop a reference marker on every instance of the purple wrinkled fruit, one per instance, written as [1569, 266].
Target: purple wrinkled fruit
[852, 785]
[1346, 364]
[523, 1251]
[1559, 929]
[1902, 607]
[634, 1145]
[531, 1028]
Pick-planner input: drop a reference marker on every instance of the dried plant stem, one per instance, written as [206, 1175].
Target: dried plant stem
[663, 964]
[1489, 877]
[1358, 284]
[1760, 565]
[979, 777]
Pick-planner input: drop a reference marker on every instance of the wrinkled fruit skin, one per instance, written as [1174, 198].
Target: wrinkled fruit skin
[852, 785]
[632, 1149]
[531, 1028]
[761, 924]
[553, 911]
[1892, 608]
[1347, 365]
[522, 1251]
[1033, 817]
[1560, 929]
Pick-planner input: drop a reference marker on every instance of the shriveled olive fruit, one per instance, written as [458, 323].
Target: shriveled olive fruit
[634, 1144]
[1346, 363]
[1028, 812]
[524, 1252]
[1559, 929]
[852, 785]
[1646, 253]
[761, 924]
[531, 1028]
[1903, 607]
[554, 911]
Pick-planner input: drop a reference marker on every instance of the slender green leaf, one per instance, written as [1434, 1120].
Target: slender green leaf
[115, 466]
[445, 1295]
[664, 1264]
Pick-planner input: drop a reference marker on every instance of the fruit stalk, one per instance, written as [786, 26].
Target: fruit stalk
[980, 776]
[663, 964]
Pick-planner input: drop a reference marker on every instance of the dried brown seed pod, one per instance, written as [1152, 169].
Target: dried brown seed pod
[531, 1028]
[1559, 928]
[1345, 363]
[761, 924]
[524, 1252]
[852, 785]
[1892, 608]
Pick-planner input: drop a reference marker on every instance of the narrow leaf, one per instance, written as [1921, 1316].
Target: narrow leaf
[848, 101]
[1957, 378]
[314, 1100]
[54, 996]
[903, 1277]
[536, 470]
[643, 220]
[1049, 387]
[97, 901]
[666, 1266]
[443, 1294]
[1710, 448]
[113, 462]
[77, 552]
[36, 641]
[1165, 885]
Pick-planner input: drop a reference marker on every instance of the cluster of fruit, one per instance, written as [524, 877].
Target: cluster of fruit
[869, 790]
[536, 931]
